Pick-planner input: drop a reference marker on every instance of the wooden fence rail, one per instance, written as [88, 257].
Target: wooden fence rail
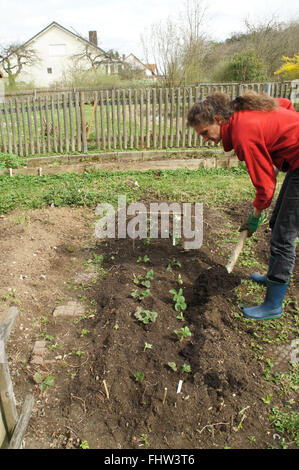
[110, 119]
[12, 426]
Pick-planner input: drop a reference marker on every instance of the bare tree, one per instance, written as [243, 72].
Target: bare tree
[165, 49]
[194, 21]
[177, 45]
[14, 58]
[90, 55]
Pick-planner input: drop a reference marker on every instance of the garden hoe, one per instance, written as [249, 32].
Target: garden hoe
[237, 250]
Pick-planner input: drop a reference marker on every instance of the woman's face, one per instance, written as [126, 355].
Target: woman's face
[210, 131]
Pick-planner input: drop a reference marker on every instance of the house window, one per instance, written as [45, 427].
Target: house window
[49, 69]
[57, 50]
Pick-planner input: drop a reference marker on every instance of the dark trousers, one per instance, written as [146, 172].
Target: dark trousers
[284, 223]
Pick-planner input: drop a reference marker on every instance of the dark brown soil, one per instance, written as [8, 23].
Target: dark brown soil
[220, 401]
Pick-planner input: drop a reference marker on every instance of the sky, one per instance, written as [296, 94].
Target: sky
[120, 23]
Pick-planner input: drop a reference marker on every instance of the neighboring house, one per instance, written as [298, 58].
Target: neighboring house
[150, 70]
[58, 49]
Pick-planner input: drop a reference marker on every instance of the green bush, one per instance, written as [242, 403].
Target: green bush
[241, 67]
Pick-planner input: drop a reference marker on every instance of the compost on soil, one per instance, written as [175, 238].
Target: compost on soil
[134, 370]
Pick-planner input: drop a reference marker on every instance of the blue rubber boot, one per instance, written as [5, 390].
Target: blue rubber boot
[271, 308]
[259, 278]
[262, 278]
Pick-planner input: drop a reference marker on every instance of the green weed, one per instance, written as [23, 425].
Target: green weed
[44, 383]
[286, 423]
[139, 376]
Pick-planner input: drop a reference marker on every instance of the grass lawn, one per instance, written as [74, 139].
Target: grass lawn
[212, 187]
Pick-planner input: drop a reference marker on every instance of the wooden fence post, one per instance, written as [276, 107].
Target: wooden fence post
[3, 137]
[83, 122]
[294, 92]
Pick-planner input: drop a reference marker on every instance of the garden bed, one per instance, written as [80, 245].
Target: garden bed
[108, 380]
[119, 161]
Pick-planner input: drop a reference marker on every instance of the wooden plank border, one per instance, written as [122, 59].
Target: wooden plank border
[12, 427]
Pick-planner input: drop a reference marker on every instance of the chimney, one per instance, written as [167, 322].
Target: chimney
[93, 37]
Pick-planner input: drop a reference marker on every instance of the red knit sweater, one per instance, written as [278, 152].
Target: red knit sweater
[261, 139]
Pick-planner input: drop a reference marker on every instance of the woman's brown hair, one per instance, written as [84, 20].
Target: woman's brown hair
[220, 104]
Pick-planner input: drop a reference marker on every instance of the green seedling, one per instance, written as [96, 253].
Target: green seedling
[179, 300]
[144, 439]
[139, 376]
[175, 240]
[84, 445]
[145, 259]
[180, 280]
[84, 332]
[137, 279]
[264, 218]
[173, 366]
[79, 353]
[180, 316]
[90, 313]
[146, 280]
[267, 399]
[186, 368]
[23, 220]
[11, 296]
[44, 383]
[135, 294]
[147, 346]
[150, 275]
[146, 284]
[174, 263]
[46, 336]
[145, 316]
[98, 259]
[53, 346]
[183, 333]
[140, 296]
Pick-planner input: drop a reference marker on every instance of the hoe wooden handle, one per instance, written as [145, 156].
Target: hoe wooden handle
[237, 250]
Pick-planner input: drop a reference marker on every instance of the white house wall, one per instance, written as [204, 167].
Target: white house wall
[55, 49]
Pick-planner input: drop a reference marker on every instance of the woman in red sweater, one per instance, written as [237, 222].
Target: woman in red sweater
[264, 133]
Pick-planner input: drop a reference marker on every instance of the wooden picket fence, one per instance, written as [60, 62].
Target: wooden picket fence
[82, 121]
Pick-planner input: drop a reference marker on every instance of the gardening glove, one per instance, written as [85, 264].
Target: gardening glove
[250, 225]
